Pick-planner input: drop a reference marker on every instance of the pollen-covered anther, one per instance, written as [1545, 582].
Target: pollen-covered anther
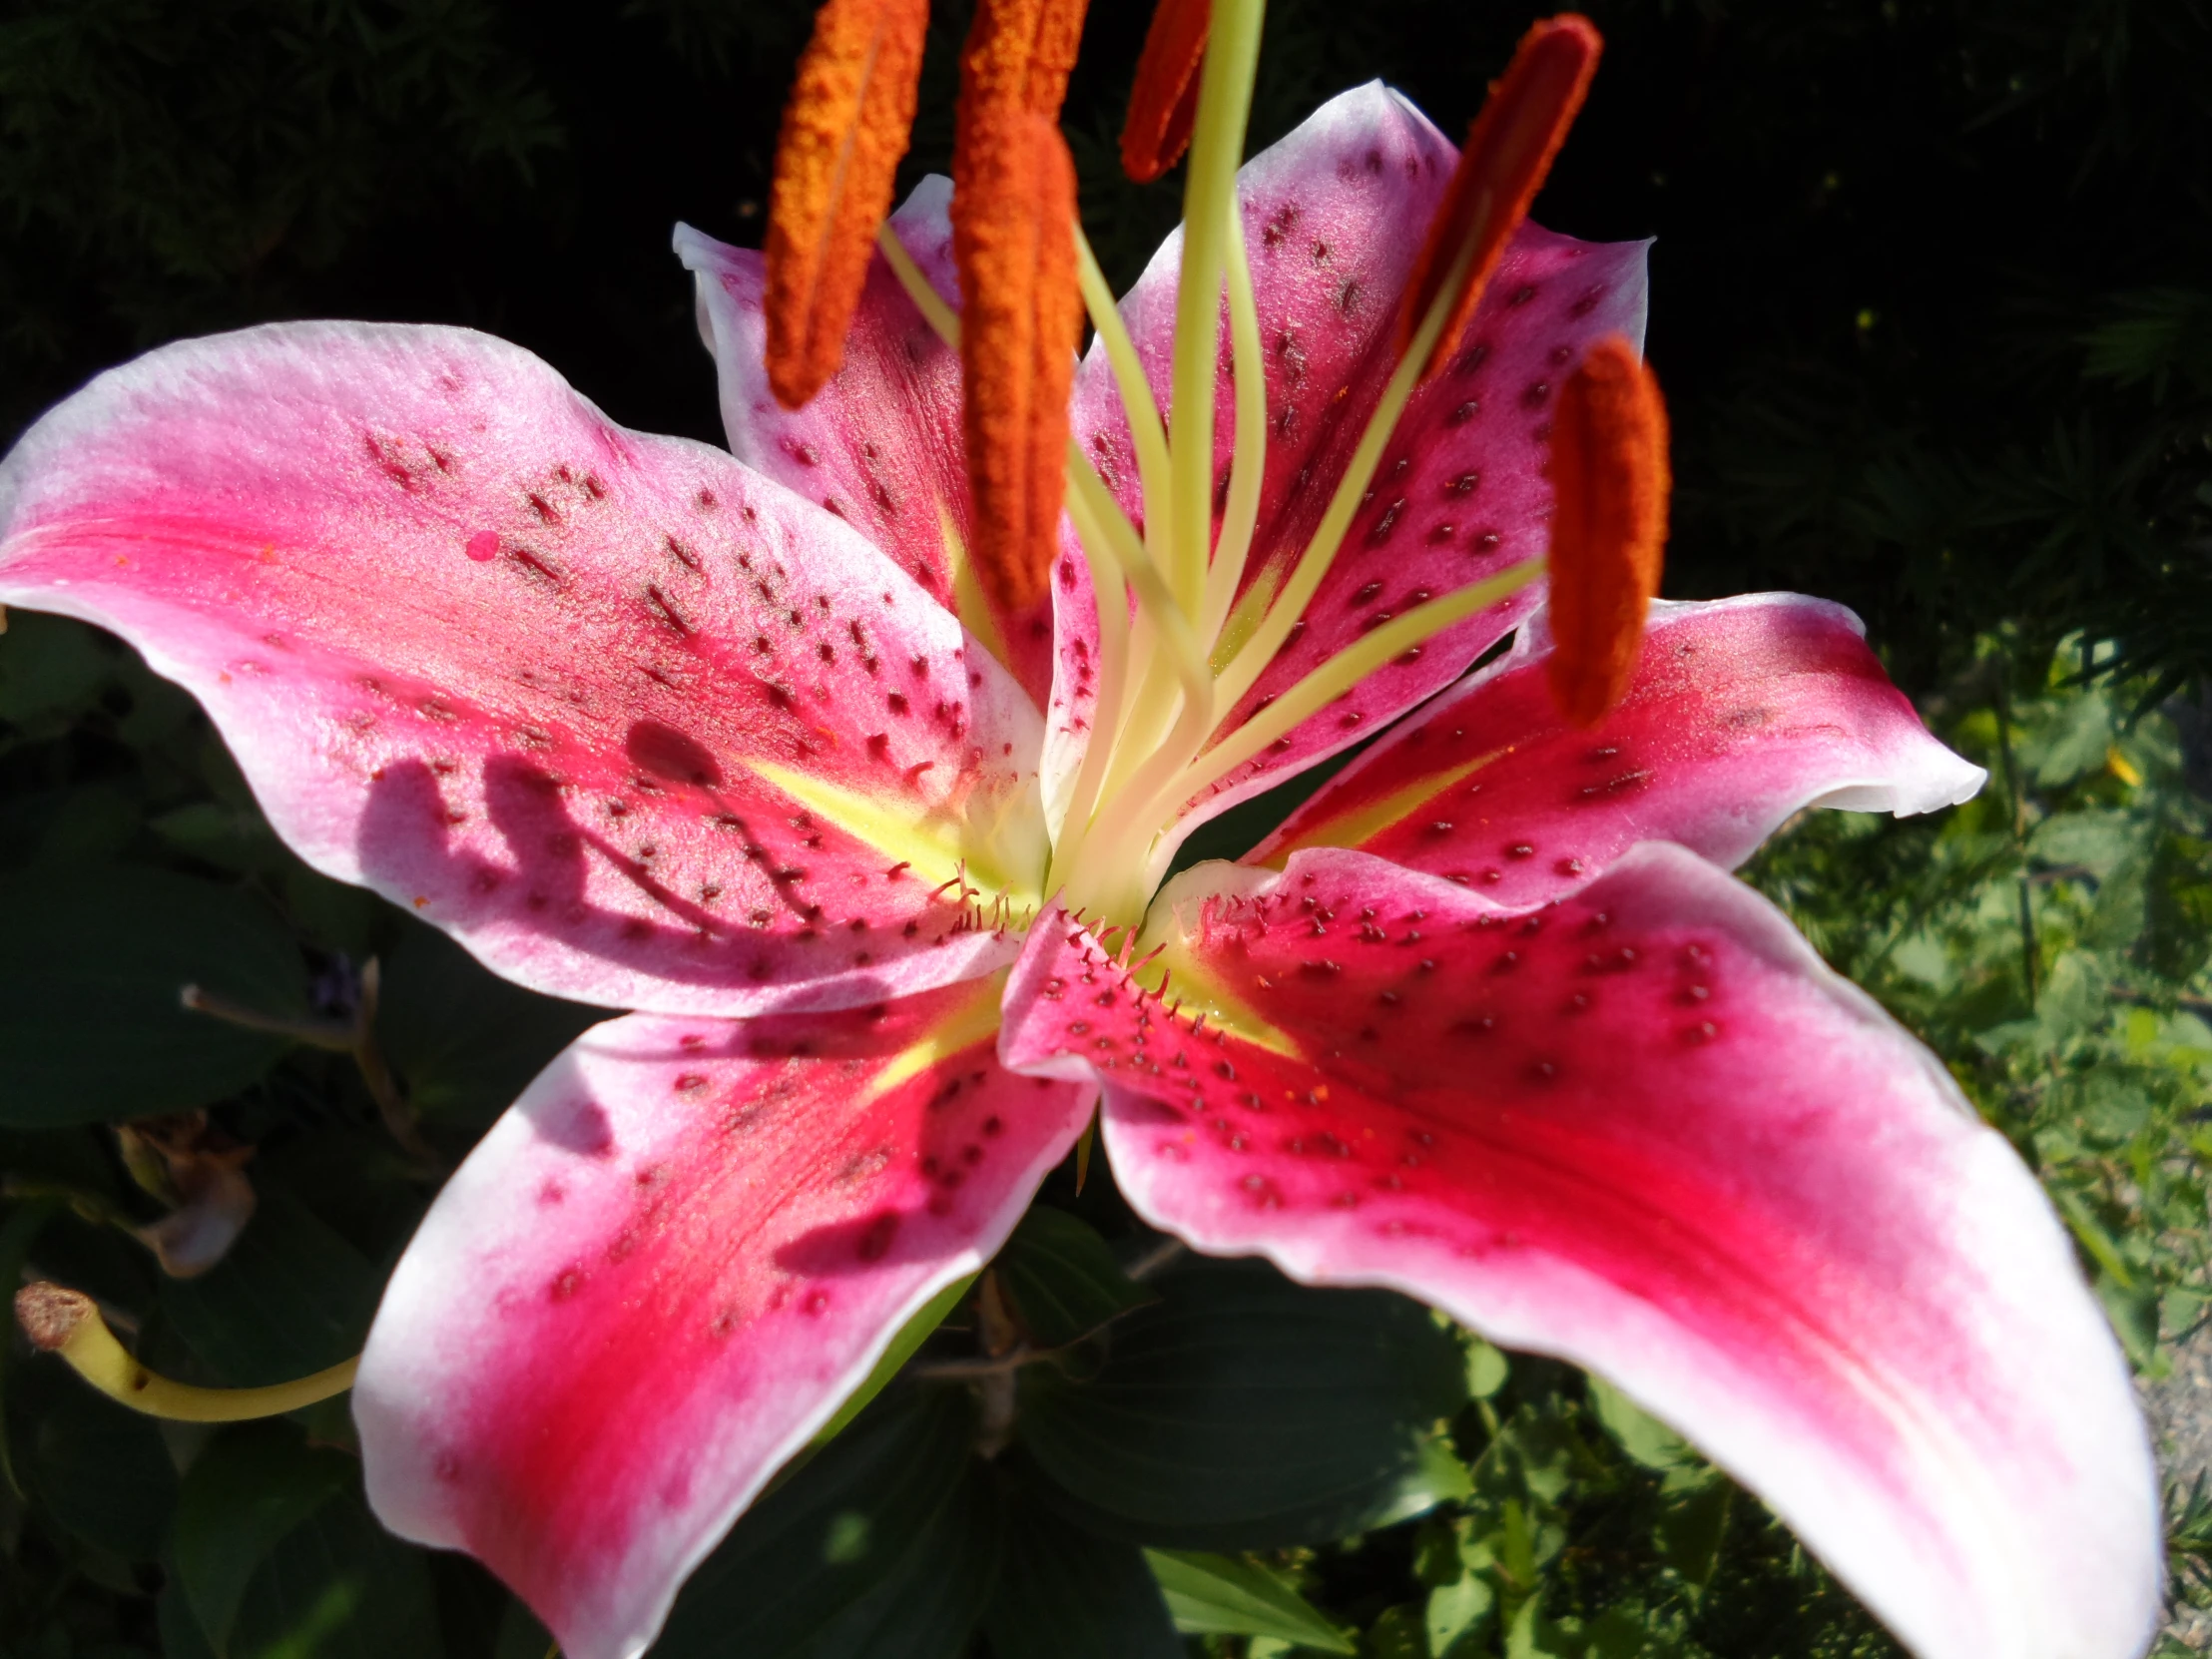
[1017, 56]
[1014, 242]
[1509, 150]
[1163, 104]
[1610, 479]
[845, 130]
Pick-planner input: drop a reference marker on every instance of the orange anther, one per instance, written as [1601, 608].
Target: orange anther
[1013, 237]
[1509, 150]
[1609, 482]
[1018, 54]
[845, 130]
[1163, 104]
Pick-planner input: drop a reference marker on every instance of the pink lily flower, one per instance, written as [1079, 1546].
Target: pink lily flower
[763, 746]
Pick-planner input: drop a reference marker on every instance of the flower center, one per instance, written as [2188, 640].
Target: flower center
[1181, 638]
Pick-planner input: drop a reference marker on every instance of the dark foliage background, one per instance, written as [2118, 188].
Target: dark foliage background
[1932, 304]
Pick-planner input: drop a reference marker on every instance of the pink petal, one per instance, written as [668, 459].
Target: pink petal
[660, 1275]
[1644, 1129]
[880, 444]
[1743, 712]
[547, 682]
[1334, 216]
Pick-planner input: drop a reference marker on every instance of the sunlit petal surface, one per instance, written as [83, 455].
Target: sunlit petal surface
[636, 725]
[665, 1269]
[1742, 712]
[880, 445]
[1334, 216]
[1646, 1130]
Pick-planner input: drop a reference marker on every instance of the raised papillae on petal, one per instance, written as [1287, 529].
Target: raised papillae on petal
[1509, 150]
[1163, 104]
[634, 725]
[662, 1272]
[1013, 217]
[880, 445]
[1646, 1130]
[1742, 713]
[845, 130]
[1610, 480]
[1333, 215]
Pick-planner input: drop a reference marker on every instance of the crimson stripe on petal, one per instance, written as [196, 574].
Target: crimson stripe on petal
[662, 1272]
[551, 683]
[1742, 712]
[1644, 1129]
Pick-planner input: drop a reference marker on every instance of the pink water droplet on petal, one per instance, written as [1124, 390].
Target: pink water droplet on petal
[483, 546]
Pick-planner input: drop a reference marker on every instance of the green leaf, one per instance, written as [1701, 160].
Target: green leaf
[291, 1297]
[1458, 1614]
[89, 1022]
[98, 1469]
[1064, 1593]
[1220, 1595]
[1643, 1437]
[885, 1543]
[1691, 1529]
[1063, 1277]
[1244, 1412]
[464, 1041]
[1487, 1368]
[339, 1586]
[244, 1494]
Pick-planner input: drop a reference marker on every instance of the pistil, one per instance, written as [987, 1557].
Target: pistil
[68, 1323]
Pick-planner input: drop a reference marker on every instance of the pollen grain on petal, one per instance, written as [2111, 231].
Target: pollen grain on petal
[1163, 104]
[1610, 479]
[1509, 150]
[1014, 243]
[844, 131]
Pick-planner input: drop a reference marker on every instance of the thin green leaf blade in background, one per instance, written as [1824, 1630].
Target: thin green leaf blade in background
[1218, 1595]
[291, 1297]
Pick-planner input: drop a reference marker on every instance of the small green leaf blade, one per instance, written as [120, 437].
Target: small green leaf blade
[1218, 1595]
[98, 1469]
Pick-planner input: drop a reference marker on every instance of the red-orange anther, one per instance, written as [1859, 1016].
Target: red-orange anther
[1018, 55]
[1163, 104]
[1509, 150]
[845, 130]
[1609, 482]
[1013, 237]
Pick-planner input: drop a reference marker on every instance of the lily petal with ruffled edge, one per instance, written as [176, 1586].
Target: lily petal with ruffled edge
[634, 724]
[661, 1274]
[1743, 712]
[1334, 216]
[1646, 1130]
